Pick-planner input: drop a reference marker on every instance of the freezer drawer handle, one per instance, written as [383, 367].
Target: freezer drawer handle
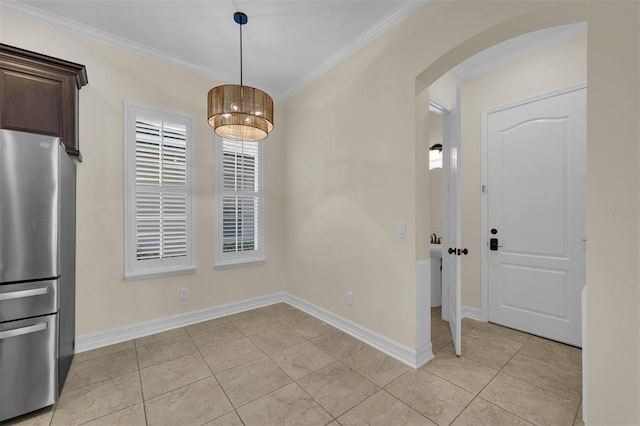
[24, 293]
[23, 330]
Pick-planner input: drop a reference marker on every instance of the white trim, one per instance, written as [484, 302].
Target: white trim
[123, 43]
[134, 331]
[238, 264]
[518, 48]
[585, 353]
[105, 37]
[160, 272]
[239, 259]
[438, 106]
[353, 47]
[165, 267]
[484, 217]
[472, 313]
[390, 347]
[424, 345]
[484, 173]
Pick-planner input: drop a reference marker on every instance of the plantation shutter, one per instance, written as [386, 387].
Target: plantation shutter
[161, 190]
[240, 197]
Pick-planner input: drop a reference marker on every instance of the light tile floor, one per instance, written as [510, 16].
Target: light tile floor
[277, 365]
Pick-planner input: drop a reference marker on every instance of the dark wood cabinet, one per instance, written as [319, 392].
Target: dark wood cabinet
[39, 94]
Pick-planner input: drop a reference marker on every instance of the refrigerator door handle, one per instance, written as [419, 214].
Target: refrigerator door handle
[24, 293]
[23, 330]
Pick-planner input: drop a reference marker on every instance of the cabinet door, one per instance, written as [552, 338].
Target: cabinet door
[39, 101]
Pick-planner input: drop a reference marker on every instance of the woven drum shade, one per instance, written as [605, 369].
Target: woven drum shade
[240, 112]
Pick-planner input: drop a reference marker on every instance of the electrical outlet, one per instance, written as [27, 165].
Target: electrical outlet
[184, 293]
[349, 298]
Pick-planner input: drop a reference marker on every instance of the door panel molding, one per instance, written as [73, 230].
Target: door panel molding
[485, 235]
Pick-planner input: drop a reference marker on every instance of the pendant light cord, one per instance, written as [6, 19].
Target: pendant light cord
[240, 54]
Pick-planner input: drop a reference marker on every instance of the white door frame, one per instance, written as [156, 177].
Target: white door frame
[484, 242]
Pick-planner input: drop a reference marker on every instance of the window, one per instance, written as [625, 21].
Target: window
[158, 188]
[239, 235]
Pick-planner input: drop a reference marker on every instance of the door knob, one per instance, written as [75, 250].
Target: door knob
[463, 251]
[452, 250]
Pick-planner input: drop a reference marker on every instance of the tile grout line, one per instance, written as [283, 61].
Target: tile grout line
[543, 390]
[115, 377]
[292, 379]
[529, 338]
[337, 360]
[289, 325]
[144, 406]
[477, 395]
[218, 382]
[407, 403]
[55, 406]
[575, 417]
[265, 355]
[490, 381]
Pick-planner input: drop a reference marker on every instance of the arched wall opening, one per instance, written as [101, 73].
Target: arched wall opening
[613, 38]
[538, 20]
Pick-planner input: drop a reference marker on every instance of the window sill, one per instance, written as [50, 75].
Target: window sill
[238, 263]
[158, 273]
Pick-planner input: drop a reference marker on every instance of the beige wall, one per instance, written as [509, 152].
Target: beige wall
[613, 184]
[104, 300]
[332, 201]
[560, 66]
[356, 162]
[443, 90]
[352, 153]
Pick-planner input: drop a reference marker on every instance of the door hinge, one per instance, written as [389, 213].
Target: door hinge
[484, 189]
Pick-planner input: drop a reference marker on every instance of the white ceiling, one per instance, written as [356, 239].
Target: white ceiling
[287, 43]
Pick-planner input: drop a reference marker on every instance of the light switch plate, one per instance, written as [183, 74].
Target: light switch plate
[401, 230]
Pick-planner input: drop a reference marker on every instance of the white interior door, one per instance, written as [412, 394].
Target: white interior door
[451, 291]
[536, 176]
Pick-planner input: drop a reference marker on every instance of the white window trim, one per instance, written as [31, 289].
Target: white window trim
[165, 267]
[232, 260]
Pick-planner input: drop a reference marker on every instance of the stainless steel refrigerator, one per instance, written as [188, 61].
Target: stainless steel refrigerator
[37, 270]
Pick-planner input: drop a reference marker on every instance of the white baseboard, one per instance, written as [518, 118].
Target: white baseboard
[134, 331]
[424, 356]
[424, 348]
[472, 313]
[390, 347]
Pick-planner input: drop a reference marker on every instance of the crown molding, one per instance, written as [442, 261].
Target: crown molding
[518, 48]
[74, 27]
[68, 25]
[348, 50]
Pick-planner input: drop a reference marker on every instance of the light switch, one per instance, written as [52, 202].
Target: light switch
[401, 230]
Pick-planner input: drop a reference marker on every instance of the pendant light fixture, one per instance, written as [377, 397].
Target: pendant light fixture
[241, 112]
